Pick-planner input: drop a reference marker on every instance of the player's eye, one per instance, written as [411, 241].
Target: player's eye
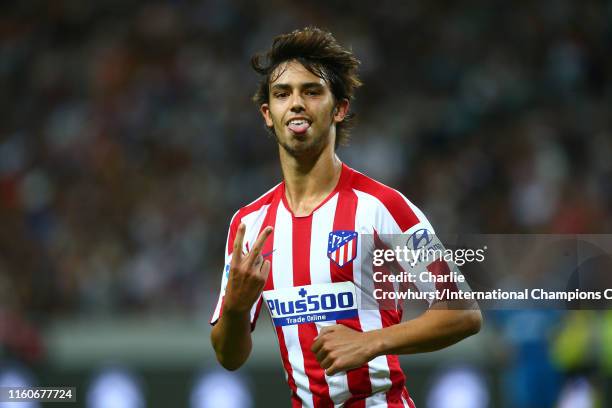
[313, 93]
[281, 94]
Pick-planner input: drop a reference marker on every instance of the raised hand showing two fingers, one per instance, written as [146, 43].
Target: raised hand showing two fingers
[248, 273]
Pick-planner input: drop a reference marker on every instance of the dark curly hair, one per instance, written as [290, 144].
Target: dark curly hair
[319, 52]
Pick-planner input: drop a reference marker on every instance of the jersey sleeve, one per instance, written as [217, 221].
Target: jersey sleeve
[406, 226]
[229, 244]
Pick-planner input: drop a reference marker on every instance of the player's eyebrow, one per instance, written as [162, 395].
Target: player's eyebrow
[306, 85]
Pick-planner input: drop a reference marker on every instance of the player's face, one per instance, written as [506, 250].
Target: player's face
[302, 110]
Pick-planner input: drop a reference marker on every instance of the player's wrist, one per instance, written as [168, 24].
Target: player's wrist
[236, 309]
[376, 343]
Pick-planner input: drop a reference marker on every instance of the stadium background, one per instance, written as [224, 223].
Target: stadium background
[128, 139]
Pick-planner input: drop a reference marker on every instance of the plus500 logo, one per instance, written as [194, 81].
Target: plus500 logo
[312, 303]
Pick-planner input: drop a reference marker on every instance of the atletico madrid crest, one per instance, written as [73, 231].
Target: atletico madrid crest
[342, 247]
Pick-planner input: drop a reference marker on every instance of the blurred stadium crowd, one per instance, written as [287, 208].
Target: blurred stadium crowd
[128, 138]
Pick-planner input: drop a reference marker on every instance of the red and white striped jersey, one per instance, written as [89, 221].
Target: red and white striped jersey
[317, 261]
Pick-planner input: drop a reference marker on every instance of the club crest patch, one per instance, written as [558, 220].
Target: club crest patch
[342, 247]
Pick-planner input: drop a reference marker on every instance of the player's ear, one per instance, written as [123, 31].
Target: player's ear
[341, 110]
[265, 112]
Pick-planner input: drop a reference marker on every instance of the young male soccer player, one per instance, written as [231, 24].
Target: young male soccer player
[296, 248]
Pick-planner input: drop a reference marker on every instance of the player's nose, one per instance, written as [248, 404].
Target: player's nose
[297, 103]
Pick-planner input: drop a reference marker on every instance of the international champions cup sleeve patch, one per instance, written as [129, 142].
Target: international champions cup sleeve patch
[311, 303]
[342, 247]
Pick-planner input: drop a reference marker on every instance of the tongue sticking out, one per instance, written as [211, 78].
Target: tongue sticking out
[299, 127]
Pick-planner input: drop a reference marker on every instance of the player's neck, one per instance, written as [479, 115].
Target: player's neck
[309, 182]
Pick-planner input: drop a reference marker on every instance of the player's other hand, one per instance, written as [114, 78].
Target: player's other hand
[248, 273]
[340, 348]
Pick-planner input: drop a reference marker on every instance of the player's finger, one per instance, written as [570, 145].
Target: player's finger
[237, 250]
[258, 262]
[261, 240]
[258, 245]
[321, 355]
[334, 369]
[316, 344]
[324, 330]
[265, 269]
[326, 363]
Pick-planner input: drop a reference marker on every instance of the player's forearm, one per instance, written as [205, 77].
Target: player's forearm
[231, 339]
[433, 330]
